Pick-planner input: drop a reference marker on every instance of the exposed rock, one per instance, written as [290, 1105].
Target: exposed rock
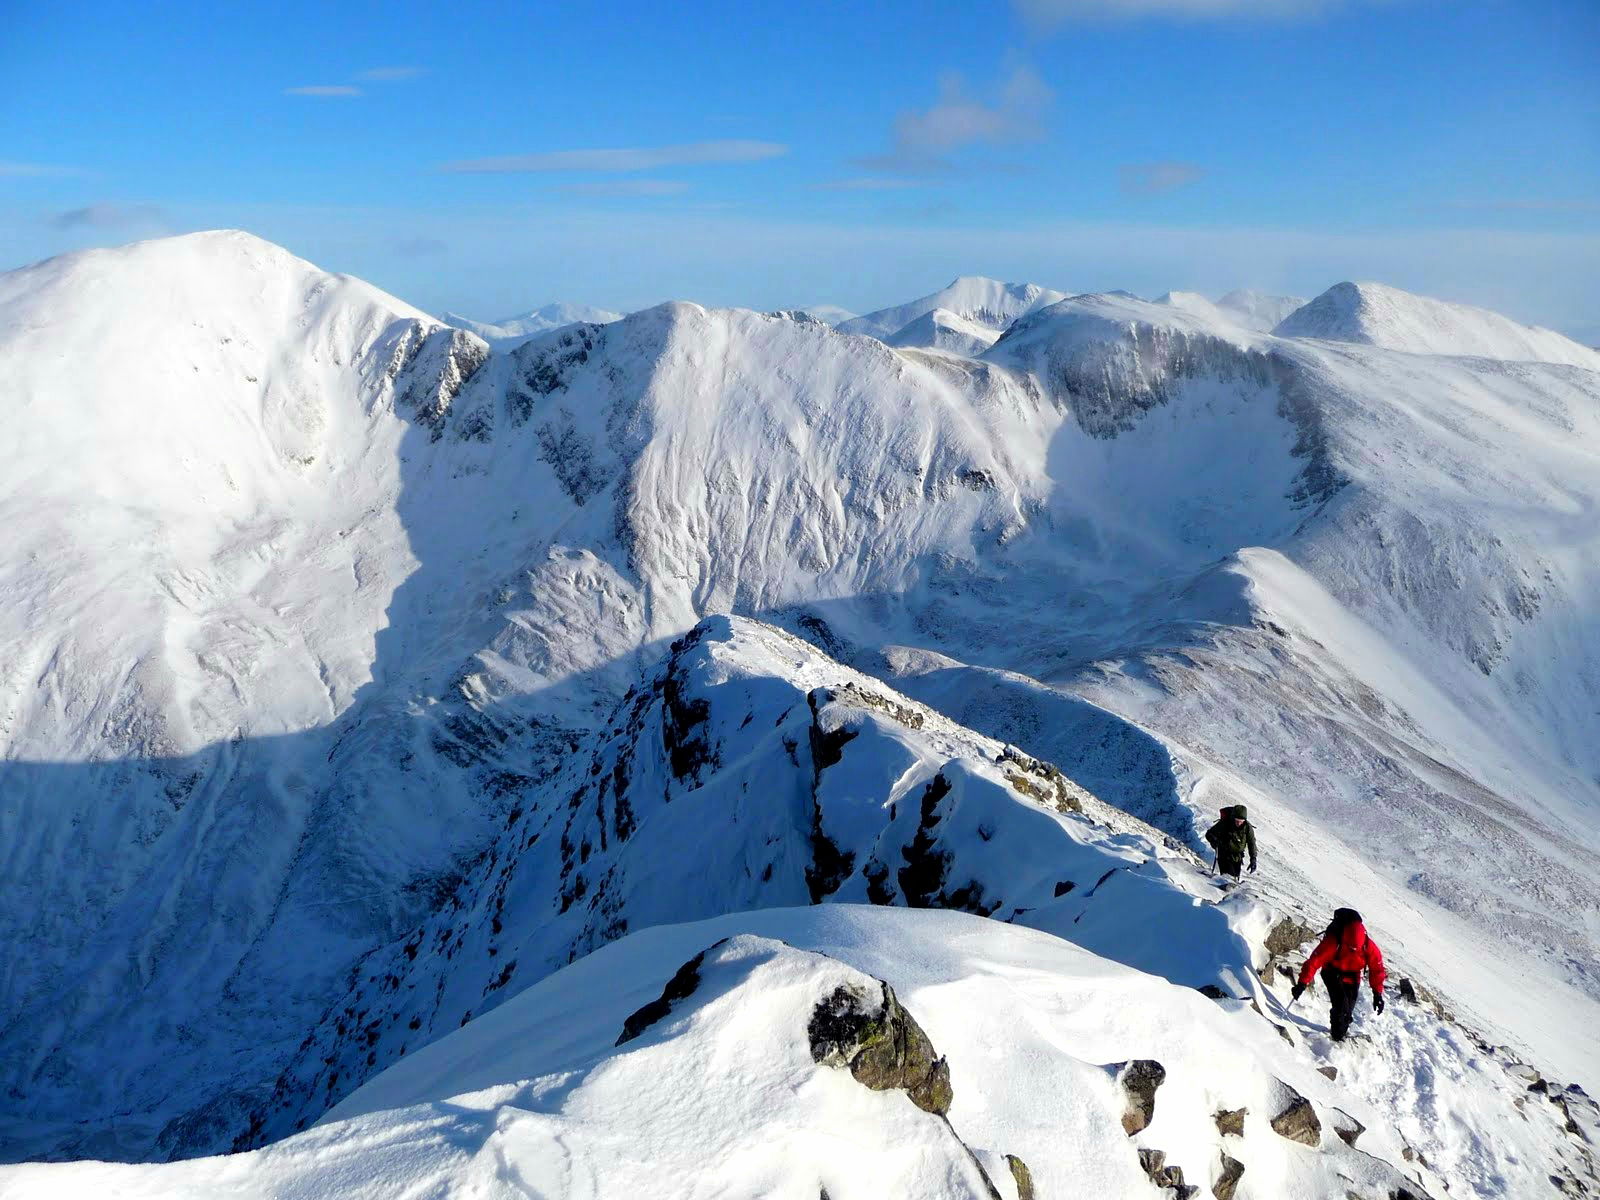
[1230, 1121]
[1346, 1126]
[1212, 992]
[1287, 936]
[1297, 1120]
[1414, 993]
[1329, 1072]
[881, 1044]
[1022, 1176]
[680, 986]
[1222, 1187]
[1139, 1079]
[1154, 1164]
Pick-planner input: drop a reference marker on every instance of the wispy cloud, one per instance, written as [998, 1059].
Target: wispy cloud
[923, 137]
[109, 216]
[22, 170]
[627, 187]
[390, 74]
[1149, 179]
[628, 159]
[323, 89]
[870, 183]
[1047, 13]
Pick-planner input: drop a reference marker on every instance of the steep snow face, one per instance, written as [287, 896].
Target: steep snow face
[984, 302]
[726, 1084]
[512, 330]
[1375, 315]
[945, 330]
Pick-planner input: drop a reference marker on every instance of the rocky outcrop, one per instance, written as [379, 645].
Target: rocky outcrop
[1022, 1177]
[1139, 1079]
[680, 987]
[1155, 1165]
[881, 1044]
[1227, 1179]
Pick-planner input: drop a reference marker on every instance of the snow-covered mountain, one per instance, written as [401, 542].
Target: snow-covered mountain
[347, 706]
[828, 314]
[987, 303]
[1259, 311]
[512, 330]
[1376, 315]
[944, 330]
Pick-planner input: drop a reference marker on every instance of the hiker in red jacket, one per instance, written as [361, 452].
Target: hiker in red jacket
[1343, 953]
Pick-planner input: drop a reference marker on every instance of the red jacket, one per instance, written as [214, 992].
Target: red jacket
[1352, 952]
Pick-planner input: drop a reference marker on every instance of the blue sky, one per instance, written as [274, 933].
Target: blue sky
[488, 159]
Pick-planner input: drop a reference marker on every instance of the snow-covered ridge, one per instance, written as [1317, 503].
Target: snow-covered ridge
[985, 302]
[509, 331]
[1375, 315]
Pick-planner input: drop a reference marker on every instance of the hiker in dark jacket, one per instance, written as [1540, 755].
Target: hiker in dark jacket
[1231, 837]
[1343, 953]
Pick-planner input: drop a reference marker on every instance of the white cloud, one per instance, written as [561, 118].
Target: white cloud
[22, 170]
[391, 74]
[627, 187]
[627, 159]
[958, 119]
[338, 89]
[1148, 179]
[1055, 12]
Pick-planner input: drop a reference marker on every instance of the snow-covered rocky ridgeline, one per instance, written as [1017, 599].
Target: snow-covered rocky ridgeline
[548, 318]
[311, 603]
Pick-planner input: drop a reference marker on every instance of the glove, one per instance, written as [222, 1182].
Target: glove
[1252, 866]
[1298, 990]
[1377, 1002]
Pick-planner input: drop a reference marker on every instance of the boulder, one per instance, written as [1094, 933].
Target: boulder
[1328, 1072]
[881, 1044]
[1297, 1120]
[1346, 1126]
[1139, 1079]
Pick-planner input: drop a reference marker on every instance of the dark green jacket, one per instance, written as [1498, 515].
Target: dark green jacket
[1230, 841]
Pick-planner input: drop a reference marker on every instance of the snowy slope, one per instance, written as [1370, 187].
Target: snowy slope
[1375, 315]
[721, 1091]
[944, 330]
[984, 302]
[511, 330]
[1188, 562]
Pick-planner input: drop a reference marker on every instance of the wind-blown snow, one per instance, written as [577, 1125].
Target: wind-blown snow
[316, 610]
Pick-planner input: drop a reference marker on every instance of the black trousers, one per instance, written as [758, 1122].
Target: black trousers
[1229, 866]
[1344, 988]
